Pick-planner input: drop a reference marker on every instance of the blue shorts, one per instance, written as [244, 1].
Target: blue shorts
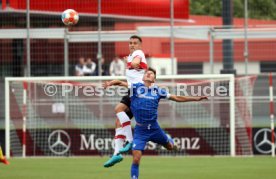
[148, 132]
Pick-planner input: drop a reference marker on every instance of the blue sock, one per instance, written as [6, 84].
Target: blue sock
[134, 171]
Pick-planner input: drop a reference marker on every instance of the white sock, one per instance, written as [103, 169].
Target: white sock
[118, 140]
[125, 122]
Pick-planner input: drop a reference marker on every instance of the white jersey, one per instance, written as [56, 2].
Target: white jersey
[133, 75]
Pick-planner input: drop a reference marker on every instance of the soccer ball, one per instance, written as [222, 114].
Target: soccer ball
[70, 17]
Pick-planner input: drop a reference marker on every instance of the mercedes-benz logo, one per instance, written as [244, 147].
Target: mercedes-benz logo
[59, 142]
[262, 141]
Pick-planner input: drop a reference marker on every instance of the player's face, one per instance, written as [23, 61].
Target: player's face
[149, 76]
[134, 44]
[82, 61]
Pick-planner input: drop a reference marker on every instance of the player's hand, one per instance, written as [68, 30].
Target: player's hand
[106, 84]
[203, 98]
[125, 59]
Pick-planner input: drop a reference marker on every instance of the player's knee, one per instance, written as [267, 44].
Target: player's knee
[136, 159]
[119, 108]
[136, 156]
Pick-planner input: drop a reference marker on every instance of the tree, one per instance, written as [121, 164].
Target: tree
[257, 9]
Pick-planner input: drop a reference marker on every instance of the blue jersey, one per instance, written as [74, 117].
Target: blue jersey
[145, 101]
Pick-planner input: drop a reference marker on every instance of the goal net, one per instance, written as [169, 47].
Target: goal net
[74, 116]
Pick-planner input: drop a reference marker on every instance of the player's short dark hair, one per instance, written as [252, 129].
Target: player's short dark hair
[136, 37]
[152, 70]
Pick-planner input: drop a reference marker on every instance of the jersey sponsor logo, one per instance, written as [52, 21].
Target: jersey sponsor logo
[59, 142]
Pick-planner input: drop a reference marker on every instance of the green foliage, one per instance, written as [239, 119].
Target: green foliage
[203, 7]
[262, 9]
[257, 9]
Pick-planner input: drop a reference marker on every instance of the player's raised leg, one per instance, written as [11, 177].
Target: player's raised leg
[160, 137]
[2, 158]
[119, 140]
[123, 132]
[124, 119]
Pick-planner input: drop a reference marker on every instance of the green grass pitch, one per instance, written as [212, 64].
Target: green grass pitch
[150, 168]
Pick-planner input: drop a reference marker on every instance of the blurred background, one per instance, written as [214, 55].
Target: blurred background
[197, 26]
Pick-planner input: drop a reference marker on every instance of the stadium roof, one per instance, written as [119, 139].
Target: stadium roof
[125, 9]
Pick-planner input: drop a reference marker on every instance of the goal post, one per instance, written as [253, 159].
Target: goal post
[7, 118]
[232, 115]
[75, 116]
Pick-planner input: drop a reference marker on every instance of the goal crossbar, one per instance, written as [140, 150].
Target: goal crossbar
[229, 77]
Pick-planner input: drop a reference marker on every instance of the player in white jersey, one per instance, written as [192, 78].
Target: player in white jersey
[136, 67]
[135, 74]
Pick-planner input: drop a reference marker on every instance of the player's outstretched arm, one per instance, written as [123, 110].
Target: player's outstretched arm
[115, 83]
[187, 98]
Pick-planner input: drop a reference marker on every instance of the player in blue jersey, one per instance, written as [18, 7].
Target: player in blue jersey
[145, 99]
